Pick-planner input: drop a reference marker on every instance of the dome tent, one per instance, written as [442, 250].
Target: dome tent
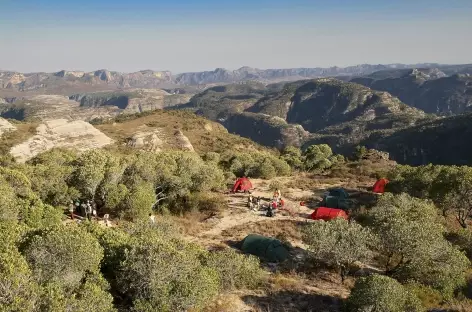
[266, 248]
[242, 184]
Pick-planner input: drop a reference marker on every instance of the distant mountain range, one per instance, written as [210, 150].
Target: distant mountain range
[396, 108]
[68, 82]
[429, 89]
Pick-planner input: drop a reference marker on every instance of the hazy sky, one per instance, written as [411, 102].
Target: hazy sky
[193, 35]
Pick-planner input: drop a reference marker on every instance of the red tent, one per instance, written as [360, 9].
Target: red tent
[379, 186]
[323, 213]
[242, 184]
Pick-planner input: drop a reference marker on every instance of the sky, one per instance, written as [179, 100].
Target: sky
[186, 36]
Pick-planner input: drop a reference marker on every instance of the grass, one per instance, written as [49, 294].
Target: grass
[204, 135]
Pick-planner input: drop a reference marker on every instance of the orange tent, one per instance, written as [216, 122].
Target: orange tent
[379, 186]
[242, 184]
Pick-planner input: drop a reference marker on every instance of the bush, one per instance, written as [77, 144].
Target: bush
[293, 157]
[209, 204]
[413, 245]
[159, 274]
[255, 165]
[381, 293]
[338, 243]
[265, 170]
[236, 270]
[63, 255]
[317, 157]
[429, 297]
[19, 291]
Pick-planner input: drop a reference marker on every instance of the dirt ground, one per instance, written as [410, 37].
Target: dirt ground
[287, 290]
[292, 287]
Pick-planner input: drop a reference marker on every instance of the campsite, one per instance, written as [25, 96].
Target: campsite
[176, 231]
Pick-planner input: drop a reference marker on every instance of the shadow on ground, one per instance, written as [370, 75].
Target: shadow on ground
[287, 301]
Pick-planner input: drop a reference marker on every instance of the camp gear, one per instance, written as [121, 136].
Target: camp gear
[379, 186]
[270, 212]
[324, 213]
[242, 184]
[338, 192]
[269, 249]
[336, 198]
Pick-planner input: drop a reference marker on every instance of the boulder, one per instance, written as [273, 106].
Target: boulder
[5, 126]
[63, 133]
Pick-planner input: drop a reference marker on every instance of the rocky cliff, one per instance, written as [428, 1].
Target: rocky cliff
[443, 141]
[266, 130]
[90, 106]
[132, 100]
[77, 134]
[284, 114]
[5, 126]
[220, 101]
[427, 89]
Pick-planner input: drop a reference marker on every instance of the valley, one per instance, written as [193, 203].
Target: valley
[157, 154]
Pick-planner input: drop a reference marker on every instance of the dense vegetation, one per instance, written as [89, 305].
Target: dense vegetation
[50, 264]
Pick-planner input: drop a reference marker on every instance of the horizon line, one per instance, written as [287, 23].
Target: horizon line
[245, 66]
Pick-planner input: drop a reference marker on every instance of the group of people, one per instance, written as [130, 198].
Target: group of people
[86, 209]
[255, 204]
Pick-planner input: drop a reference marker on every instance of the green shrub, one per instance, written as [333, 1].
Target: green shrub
[20, 292]
[159, 274]
[236, 270]
[413, 245]
[63, 255]
[338, 243]
[381, 293]
[429, 297]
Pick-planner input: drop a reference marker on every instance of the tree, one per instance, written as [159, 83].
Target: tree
[317, 157]
[416, 181]
[90, 171]
[266, 170]
[413, 245]
[379, 293]
[139, 202]
[150, 278]
[403, 224]
[63, 255]
[338, 243]
[360, 152]
[18, 290]
[293, 156]
[452, 191]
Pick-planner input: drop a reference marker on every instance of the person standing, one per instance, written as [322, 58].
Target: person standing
[106, 218]
[71, 209]
[152, 218]
[83, 206]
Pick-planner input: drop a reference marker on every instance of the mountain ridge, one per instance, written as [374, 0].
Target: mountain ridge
[62, 81]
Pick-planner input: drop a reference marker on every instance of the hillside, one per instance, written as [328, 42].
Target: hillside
[430, 90]
[302, 110]
[220, 101]
[266, 130]
[204, 135]
[89, 106]
[443, 141]
[150, 131]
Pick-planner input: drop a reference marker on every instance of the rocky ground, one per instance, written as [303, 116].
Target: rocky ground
[60, 133]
